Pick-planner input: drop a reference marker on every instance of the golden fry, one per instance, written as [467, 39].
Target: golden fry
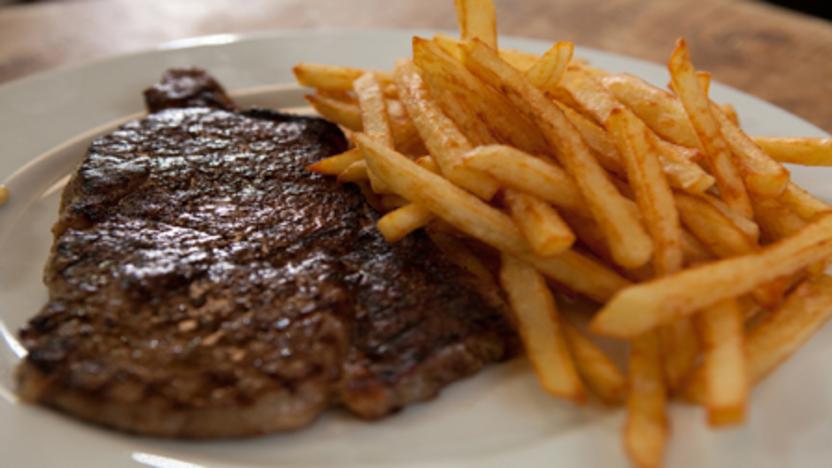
[335, 165]
[629, 243]
[523, 172]
[698, 108]
[597, 370]
[441, 137]
[642, 307]
[402, 221]
[725, 366]
[548, 71]
[331, 77]
[646, 430]
[780, 333]
[804, 151]
[763, 175]
[540, 328]
[545, 230]
[485, 223]
[477, 20]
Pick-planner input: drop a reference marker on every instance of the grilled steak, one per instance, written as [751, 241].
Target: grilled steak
[203, 283]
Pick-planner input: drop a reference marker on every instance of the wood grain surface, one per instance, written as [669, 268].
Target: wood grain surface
[780, 56]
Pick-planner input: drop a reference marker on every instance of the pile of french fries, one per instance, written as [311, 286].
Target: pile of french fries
[703, 254]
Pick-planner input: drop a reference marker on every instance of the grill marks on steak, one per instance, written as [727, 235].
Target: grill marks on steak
[203, 283]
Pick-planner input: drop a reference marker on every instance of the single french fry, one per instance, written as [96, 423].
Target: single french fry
[548, 71]
[804, 151]
[374, 118]
[335, 165]
[485, 223]
[402, 221]
[355, 172]
[646, 429]
[523, 172]
[545, 230]
[642, 307]
[441, 137]
[599, 372]
[803, 203]
[503, 122]
[780, 333]
[763, 175]
[712, 227]
[477, 20]
[629, 243]
[697, 106]
[340, 112]
[725, 367]
[332, 77]
[461, 255]
[540, 328]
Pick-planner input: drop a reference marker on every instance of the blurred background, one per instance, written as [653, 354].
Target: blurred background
[778, 50]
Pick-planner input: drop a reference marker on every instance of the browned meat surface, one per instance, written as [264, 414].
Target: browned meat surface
[203, 283]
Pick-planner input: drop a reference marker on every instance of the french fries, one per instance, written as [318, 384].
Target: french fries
[483, 104]
[724, 366]
[543, 228]
[547, 72]
[601, 375]
[523, 172]
[763, 175]
[779, 334]
[652, 191]
[716, 231]
[804, 151]
[485, 223]
[702, 253]
[698, 108]
[803, 203]
[402, 221]
[442, 139]
[639, 308]
[332, 78]
[343, 113]
[337, 164]
[629, 243]
[374, 119]
[477, 20]
[646, 429]
[660, 110]
[540, 328]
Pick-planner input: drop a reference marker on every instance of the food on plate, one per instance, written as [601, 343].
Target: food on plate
[563, 179]
[204, 283]
[4, 194]
[805, 151]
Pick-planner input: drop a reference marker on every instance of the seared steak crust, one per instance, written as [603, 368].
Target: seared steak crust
[203, 283]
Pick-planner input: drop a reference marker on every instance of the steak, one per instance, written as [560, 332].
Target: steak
[203, 283]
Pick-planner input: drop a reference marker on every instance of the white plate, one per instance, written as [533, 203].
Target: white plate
[497, 418]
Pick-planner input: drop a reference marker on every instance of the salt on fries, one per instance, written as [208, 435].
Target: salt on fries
[703, 253]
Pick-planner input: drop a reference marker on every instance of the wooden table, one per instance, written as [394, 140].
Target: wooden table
[783, 57]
